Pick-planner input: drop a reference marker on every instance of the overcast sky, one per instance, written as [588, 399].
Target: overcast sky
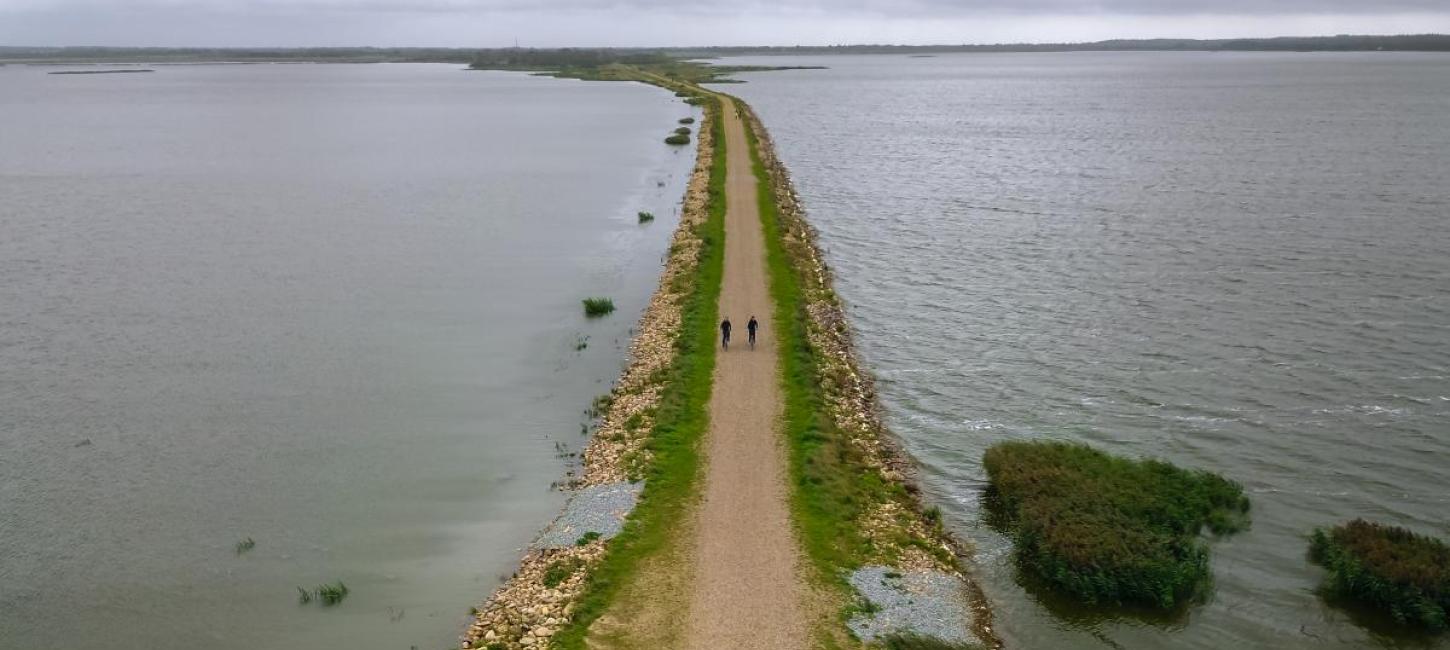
[545, 23]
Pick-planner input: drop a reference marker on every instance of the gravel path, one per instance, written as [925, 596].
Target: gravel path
[748, 591]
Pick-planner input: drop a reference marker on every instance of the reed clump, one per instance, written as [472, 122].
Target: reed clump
[684, 130]
[687, 120]
[1387, 568]
[646, 217]
[678, 139]
[597, 307]
[1110, 530]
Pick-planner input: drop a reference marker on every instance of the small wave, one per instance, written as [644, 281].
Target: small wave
[983, 425]
[1364, 409]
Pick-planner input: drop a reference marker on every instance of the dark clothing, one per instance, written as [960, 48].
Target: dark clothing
[725, 330]
[751, 327]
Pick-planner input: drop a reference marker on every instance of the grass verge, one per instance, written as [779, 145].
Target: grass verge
[680, 422]
[1110, 530]
[1387, 568]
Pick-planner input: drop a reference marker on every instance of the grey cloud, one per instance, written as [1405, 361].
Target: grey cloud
[914, 8]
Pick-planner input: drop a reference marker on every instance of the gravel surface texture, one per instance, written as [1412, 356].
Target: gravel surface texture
[597, 508]
[925, 603]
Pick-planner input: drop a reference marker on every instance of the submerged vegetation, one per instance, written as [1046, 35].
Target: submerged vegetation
[329, 594]
[1389, 569]
[596, 307]
[246, 545]
[1110, 530]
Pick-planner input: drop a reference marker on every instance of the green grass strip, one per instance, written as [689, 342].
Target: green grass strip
[832, 488]
[680, 422]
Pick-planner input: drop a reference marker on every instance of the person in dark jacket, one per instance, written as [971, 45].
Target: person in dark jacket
[751, 327]
[725, 333]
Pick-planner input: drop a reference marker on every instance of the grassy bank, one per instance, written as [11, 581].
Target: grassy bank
[1109, 530]
[680, 422]
[849, 499]
[1389, 569]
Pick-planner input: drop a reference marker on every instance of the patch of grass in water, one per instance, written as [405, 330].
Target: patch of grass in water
[1109, 530]
[597, 307]
[246, 545]
[646, 217]
[1387, 568]
[677, 139]
[687, 120]
[684, 130]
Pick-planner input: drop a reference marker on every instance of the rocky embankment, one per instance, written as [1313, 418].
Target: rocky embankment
[538, 600]
[926, 565]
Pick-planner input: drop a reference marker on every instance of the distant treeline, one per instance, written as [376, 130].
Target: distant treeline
[530, 58]
[535, 59]
[1343, 42]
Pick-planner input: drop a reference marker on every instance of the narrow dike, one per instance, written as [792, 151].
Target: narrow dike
[626, 566]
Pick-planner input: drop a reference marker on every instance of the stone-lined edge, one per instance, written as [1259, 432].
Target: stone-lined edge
[524, 612]
[851, 397]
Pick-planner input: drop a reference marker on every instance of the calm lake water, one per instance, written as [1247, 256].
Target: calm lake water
[333, 309]
[1238, 262]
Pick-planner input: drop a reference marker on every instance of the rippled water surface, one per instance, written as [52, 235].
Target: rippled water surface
[1238, 262]
[333, 309]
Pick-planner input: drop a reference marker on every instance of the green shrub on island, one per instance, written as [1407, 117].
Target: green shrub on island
[677, 139]
[687, 120]
[1387, 568]
[646, 217]
[596, 307]
[1108, 530]
[684, 130]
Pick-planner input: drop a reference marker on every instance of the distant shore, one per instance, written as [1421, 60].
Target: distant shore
[156, 55]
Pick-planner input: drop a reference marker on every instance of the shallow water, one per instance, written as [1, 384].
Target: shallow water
[333, 309]
[1237, 262]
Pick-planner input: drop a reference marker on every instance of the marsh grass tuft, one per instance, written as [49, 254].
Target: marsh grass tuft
[246, 545]
[1387, 568]
[684, 130]
[597, 307]
[687, 120]
[586, 538]
[332, 594]
[303, 596]
[1110, 530]
[555, 574]
[646, 217]
[677, 139]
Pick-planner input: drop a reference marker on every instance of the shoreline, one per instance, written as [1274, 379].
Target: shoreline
[558, 592]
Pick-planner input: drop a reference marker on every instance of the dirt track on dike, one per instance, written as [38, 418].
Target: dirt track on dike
[747, 591]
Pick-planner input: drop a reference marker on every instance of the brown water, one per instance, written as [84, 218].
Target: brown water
[1237, 262]
[330, 308]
